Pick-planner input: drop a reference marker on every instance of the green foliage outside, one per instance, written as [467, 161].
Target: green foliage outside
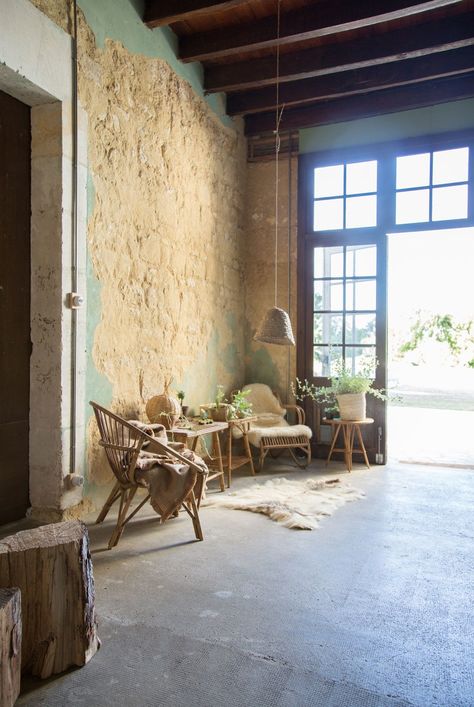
[439, 334]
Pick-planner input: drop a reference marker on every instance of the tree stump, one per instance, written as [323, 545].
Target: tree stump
[10, 646]
[53, 568]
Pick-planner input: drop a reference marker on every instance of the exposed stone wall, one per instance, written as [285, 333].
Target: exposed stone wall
[166, 231]
[265, 363]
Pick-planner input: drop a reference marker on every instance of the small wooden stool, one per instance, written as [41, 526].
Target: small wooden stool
[350, 428]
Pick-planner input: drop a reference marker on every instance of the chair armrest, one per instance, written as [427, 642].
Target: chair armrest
[300, 414]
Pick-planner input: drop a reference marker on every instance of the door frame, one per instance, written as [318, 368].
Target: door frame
[385, 154]
[35, 68]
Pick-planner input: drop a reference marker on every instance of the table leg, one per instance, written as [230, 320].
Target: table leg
[333, 443]
[347, 446]
[218, 454]
[248, 450]
[362, 446]
[229, 457]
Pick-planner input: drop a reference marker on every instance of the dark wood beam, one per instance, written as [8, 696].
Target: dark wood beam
[431, 37]
[396, 73]
[318, 20]
[354, 107]
[159, 13]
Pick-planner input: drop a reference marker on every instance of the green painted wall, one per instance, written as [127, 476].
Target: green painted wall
[120, 20]
[444, 117]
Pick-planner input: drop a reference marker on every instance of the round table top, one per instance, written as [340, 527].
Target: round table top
[338, 421]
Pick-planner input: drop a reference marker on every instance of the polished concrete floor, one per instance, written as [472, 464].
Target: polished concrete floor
[373, 609]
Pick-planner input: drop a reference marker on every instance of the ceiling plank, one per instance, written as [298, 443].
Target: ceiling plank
[355, 107]
[454, 62]
[159, 13]
[318, 20]
[431, 37]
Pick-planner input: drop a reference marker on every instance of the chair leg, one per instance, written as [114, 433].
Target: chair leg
[113, 496]
[125, 501]
[193, 512]
[301, 464]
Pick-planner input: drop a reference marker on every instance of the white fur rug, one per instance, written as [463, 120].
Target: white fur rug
[294, 504]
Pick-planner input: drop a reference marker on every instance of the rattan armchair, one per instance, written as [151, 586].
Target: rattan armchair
[271, 432]
[123, 443]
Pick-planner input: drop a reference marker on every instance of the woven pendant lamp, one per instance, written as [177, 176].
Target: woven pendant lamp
[275, 327]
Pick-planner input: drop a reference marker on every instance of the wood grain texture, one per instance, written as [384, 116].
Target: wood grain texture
[53, 568]
[10, 646]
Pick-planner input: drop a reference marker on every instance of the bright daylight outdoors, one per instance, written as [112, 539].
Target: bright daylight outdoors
[431, 346]
[430, 298]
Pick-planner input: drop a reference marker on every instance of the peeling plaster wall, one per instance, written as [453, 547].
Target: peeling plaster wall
[267, 363]
[165, 236]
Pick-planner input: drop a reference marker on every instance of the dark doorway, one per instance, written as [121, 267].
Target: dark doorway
[15, 340]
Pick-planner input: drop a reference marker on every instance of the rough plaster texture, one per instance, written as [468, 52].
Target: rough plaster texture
[165, 234]
[266, 363]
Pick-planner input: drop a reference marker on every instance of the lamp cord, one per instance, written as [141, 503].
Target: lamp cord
[278, 114]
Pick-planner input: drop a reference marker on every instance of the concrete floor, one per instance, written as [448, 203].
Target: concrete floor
[373, 609]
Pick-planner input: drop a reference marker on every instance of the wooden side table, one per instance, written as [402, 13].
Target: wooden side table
[190, 438]
[242, 424]
[350, 428]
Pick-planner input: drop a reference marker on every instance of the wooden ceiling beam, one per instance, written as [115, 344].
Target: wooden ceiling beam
[159, 13]
[354, 107]
[323, 18]
[431, 37]
[397, 73]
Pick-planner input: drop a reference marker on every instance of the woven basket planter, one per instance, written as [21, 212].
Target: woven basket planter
[352, 406]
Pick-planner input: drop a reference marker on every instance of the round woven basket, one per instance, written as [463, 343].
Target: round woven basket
[352, 406]
[164, 408]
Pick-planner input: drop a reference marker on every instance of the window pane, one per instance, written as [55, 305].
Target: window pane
[360, 294]
[359, 359]
[361, 211]
[361, 177]
[361, 261]
[413, 171]
[449, 203]
[328, 295]
[329, 181]
[328, 262]
[360, 328]
[451, 166]
[324, 360]
[327, 329]
[328, 214]
[413, 206]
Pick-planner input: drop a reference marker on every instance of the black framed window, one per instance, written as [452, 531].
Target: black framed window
[345, 196]
[344, 307]
[432, 186]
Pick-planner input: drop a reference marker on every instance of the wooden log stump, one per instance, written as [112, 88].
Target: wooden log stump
[53, 568]
[10, 646]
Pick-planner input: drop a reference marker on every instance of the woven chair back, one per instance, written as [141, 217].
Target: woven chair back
[122, 443]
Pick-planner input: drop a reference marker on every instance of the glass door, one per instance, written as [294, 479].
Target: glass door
[346, 322]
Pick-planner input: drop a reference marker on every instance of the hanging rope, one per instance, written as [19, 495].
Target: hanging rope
[278, 114]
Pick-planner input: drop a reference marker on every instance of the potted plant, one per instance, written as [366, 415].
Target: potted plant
[348, 390]
[239, 405]
[219, 410]
[184, 408]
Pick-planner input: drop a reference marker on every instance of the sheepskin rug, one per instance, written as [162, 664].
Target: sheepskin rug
[294, 504]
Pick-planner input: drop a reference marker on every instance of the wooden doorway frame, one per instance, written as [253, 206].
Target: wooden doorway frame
[308, 239]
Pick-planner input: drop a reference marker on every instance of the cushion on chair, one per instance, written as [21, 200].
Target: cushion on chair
[263, 400]
[287, 431]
